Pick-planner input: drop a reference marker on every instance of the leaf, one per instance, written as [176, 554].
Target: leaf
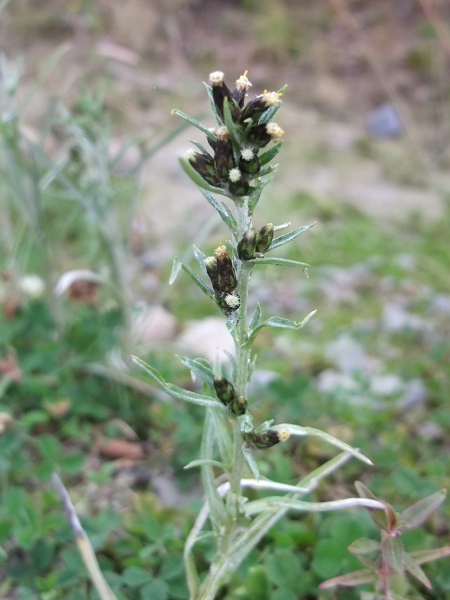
[204, 372]
[258, 506]
[287, 237]
[213, 104]
[255, 196]
[179, 264]
[424, 556]
[194, 123]
[282, 262]
[361, 577]
[215, 503]
[393, 552]
[413, 568]
[231, 359]
[270, 154]
[382, 518]
[234, 133]
[198, 179]
[201, 147]
[136, 576]
[176, 391]
[203, 461]
[311, 431]
[200, 257]
[256, 318]
[364, 546]
[222, 209]
[248, 455]
[279, 323]
[419, 512]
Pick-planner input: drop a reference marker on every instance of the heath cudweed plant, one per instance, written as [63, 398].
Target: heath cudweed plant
[237, 166]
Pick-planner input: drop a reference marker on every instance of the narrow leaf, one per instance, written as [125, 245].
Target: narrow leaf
[177, 264]
[258, 506]
[287, 237]
[312, 432]
[204, 461]
[424, 556]
[364, 546]
[231, 359]
[419, 512]
[364, 491]
[198, 179]
[204, 372]
[248, 455]
[201, 147]
[213, 104]
[194, 123]
[200, 257]
[393, 552]
[255, 196]
[256, 318]
[282, 226]
[413, 568]
[361, 577]
[177, 392]
[215, 502]
[280, 323]
[222, 209]
[270, 154]
[283, 262]
[234, 134]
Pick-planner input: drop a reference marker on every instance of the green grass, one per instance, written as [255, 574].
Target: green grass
[138, 539]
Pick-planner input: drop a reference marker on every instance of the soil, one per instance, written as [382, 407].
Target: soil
[341, 61]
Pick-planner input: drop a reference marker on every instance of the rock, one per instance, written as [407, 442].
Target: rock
[396, 319]
[385, 122]
[154, 324]
[207, 338]
[347, 355]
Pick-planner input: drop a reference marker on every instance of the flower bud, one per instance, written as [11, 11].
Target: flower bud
[237, 184]
[226, 277]
[211, 269]
[239, 406]
[228, 302]
[249, 162]
[224, 389]
[261, 135]
[265, 440]
[264, 238]
[239, 93]
[223, 154]
[220, 91]
[247, 245]
[204, 165]
[255, 108]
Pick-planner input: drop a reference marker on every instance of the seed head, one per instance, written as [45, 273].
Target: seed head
[216, 78]
[247, 245]
[224, 389]
[264, 238]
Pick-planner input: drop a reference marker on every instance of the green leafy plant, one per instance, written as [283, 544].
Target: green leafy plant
[239, 169]
[387, 562]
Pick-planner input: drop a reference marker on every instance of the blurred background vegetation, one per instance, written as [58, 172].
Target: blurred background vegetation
[93, 204]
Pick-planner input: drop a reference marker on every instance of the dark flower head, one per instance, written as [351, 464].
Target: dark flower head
[255, 108]
[239, 93]
[223, 154]
[261, 135]
[204, 165]
[220, 91]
